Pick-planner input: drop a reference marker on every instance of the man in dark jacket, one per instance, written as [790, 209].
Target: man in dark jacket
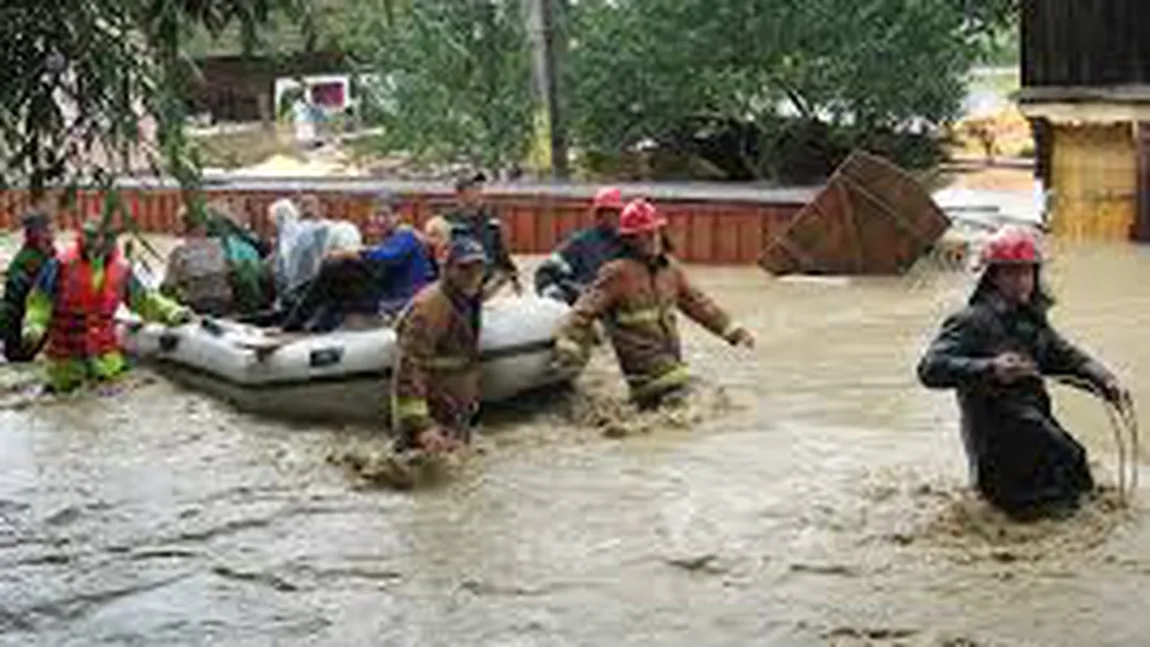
[576, 262]
[39, 247]
[995, 353]
[474, 219]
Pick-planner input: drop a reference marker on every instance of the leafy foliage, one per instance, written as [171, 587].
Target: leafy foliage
[86, 80]
[454, 77]
[676, 71]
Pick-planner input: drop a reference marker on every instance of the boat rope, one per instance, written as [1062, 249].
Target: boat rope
[1124, 423]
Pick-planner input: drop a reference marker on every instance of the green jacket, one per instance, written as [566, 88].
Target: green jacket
[22, 273]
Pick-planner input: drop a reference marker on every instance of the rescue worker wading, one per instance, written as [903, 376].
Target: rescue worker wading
[474, 219]
[574, 265]
[74, 303]
[637, 297]
[38, 249]
[994, 353]
[436, 385]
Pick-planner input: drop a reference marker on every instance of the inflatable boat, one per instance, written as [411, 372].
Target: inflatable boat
[340, 375]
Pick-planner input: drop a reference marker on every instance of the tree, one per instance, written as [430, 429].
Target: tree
[672, 71]
[454, 77]
[84, 80]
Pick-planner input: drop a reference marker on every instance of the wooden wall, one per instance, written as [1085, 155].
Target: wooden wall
[1085, 43]
[705, 230]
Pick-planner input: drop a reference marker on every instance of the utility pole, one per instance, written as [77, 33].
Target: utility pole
[547, 27]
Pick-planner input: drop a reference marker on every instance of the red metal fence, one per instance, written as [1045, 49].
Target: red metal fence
[713, 225]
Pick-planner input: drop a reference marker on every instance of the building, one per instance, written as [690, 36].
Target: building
[241, 86]
[1086, 91]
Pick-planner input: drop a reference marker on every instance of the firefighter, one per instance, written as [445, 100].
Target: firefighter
[574, 265]
[74, 304]
[38, 250]
[637, 297]
[995, 353]
[435, 391]
[474, 219]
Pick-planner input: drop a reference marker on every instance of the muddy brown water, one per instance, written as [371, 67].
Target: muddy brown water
[812, 494]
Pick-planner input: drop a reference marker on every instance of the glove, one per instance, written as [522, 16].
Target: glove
[30, 336]
[1114, 392]
[435, 441]
[554, 292]
[569, 356]
[741, 337]
[181, 316]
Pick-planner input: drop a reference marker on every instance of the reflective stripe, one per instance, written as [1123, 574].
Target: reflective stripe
[449, 363]
[638, 317]
[675, 377]
[564, 344]
[408, 408]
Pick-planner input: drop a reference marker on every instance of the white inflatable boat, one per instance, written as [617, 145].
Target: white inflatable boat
[340, 375]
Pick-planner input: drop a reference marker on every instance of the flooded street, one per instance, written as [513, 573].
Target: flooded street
[813, 495]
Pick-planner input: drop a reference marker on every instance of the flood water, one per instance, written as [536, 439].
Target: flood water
[812, 494]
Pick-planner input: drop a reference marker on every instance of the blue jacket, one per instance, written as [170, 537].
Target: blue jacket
[576, 262]
[402, 266]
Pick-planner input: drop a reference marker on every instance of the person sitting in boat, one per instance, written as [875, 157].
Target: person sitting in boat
[298, 256]
[198, 272]
[994, 353]
[576, 262]
[38, 248]
[340, 235]
[74, 305]
[437, 238]
[474, 219]
[379, 279]
[251, 286]
[637, 296]
[435, 389]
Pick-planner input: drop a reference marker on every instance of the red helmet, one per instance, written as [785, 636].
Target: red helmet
[608, 198]
[640, 216]
[1011, 245]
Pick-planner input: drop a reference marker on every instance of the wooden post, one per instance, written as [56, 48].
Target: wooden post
[547, 24]
[1140, 231]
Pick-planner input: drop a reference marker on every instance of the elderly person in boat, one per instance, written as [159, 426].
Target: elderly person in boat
[376, 280]
[575, 263]
[38, 249]
[437, 237]
[435, 389]
[302, 244]
[995, 353]
[74, 304]
[637, 297]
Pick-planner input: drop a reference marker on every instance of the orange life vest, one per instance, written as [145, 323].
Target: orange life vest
[83, 317]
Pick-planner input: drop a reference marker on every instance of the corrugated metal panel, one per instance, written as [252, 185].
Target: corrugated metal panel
[705, 230]
[1094, 182]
